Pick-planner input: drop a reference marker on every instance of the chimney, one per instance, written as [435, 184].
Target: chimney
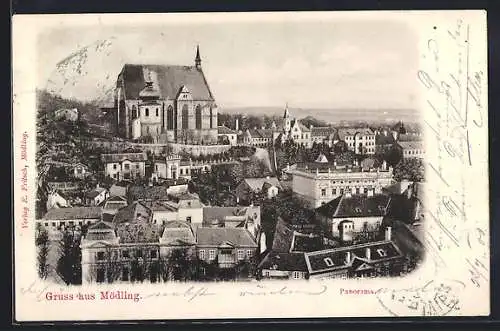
[388, 233]
[347, 257]
[237, 124]
[368, 253]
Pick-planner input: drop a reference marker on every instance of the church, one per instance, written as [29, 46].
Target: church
[165, 103]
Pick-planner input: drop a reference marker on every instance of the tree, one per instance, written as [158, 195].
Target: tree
[42, 244]
[179, 265]
[69, 264]
[410, 169]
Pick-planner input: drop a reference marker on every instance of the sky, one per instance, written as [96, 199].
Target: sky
[316, 64]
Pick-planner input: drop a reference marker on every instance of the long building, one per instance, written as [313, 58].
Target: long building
[320, 182]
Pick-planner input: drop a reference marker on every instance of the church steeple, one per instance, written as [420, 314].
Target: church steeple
[197, 60]
[287, 125]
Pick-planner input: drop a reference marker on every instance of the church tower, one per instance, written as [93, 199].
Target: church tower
[286, 120]
[197, 60]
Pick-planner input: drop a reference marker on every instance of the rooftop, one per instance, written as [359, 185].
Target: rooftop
[355, 206]
[120, 157]
[283, 262]
[411, 144]
[344, 257]
[213, 237]
[344, 132]
[72, 213]
[225, 130]
[169, 78]
[256, 184]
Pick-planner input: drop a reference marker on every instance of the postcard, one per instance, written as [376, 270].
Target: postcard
[250, 165]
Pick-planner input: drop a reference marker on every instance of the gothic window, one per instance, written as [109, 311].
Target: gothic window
[185, 118]
[211, 118]
[198, 117]
[147, 111]
[170, 118]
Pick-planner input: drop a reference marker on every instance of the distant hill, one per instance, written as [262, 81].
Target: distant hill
[333, 116]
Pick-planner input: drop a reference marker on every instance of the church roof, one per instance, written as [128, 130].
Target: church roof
[170, 79]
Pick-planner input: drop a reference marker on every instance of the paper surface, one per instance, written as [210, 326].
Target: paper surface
[445, 81]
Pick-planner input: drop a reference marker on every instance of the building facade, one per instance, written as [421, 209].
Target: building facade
[358, 140]
[168, 103]
[319, 183]
[124, 166]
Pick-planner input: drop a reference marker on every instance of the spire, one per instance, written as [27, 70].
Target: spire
[197, 60]
[287, 113]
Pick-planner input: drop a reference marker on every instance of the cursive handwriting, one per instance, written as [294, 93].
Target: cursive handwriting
[285, 290]
[36, 290]
[190, 294]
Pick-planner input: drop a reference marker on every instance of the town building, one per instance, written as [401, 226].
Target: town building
[169, 103]
[324, 135]
[268, 187]
[56, 199]
[319, 182]
[124, 166]
[81, 170]
[226, 136]
[96, 196]
[226, 247]
[71, 217]
[363, 213]
[381, 258]
[411, 149]
[283, 266]
[113, 204]
[233, 217]
[258, 137]
[358, 140]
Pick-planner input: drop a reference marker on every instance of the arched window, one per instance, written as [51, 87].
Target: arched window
[134, 112]
[185, 118]
[211, 119]
[198, 117]
[147, 111]
[170, 118]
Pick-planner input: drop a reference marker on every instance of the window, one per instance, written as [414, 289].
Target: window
[382, 252]
[266, 273]
[100, 256]
[211, 118]
[211, 254]
[138, 253]
[249, 253]
[198, 117]
[328, 261]
[296, 275]
[334, 191]
[357, 190]
[46, 224]
[170, 118]
[126, 166]
[147, 111]
[156, 167]
[153, 254]
[201, 254]
[323, 192]
[241, 254]
[185, 117]
[114, 166]
[54, 224]
[157, 112]
[188, 219]
[365, 191]
[137, 166]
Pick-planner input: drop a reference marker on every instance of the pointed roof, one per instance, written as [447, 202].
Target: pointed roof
[321, 158]
[197, 59]
[287, 112]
